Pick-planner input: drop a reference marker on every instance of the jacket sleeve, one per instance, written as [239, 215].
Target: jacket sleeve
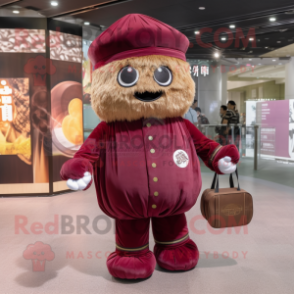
[210, 151]
[205, 148]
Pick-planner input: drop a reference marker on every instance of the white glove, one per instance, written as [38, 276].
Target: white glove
[226, 166]
[79, 184]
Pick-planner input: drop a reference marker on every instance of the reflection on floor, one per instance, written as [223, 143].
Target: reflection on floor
[256, 259]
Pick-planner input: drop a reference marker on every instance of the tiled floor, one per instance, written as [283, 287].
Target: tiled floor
[259, 259]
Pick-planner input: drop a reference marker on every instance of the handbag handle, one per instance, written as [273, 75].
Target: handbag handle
[215, 182]
[232, 181]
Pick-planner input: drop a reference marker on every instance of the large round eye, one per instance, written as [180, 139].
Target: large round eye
[163, 76]
[128, 76]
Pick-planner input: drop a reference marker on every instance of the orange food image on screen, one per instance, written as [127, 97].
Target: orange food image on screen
[72, 124]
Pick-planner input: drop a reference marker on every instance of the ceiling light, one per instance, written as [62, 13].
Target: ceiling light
[15, 11]
[251, 39]
[54, 3]
[272, 19]
[201, 8]
[196, 32]
[86, 23]
[232, 26]
[223, 38]
[216, 55]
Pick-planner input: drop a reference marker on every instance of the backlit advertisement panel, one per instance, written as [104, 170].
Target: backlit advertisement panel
[15, 135]
[276, 121]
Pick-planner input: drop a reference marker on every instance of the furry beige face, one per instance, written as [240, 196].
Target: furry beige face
[112, 102]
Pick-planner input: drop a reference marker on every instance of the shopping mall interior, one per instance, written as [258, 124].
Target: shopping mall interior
[116, 116]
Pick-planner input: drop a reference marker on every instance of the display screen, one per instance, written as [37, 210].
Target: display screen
[29, 123]
[66, 93]
[15, 135]
[276, 121]
[65, 47]
[66, 100]
[250, 122]
[22, 41]
[67, 114]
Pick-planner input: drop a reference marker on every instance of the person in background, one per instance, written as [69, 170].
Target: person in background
[191, 115]
[222, 131]
[195, 104]
[202, 119]
[234, 119]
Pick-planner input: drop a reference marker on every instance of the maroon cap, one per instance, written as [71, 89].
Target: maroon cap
[137, 35]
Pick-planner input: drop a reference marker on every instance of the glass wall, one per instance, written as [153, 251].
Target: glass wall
[91, 120]
[41, 115]
[262, 91]
[24, 107]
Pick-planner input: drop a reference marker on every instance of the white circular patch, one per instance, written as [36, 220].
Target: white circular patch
[181, 158]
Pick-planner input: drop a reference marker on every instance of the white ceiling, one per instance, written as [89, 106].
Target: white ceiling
[256, 71]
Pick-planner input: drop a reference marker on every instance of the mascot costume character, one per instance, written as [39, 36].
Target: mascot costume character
[143, 156]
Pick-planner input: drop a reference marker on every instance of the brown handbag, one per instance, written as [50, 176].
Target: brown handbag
[226, 207]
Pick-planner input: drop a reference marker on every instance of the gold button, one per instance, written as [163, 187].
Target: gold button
[148, 125]
[155, 193]
[154, 206]
[152, 151]
[155, 179]
[153, 164]
[150, 138]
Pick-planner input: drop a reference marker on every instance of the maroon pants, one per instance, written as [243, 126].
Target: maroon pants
[133, 235]
[174, 250]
